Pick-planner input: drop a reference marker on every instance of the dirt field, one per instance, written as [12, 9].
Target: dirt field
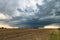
[25, 34]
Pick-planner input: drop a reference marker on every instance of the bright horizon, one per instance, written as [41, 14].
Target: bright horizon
[6, 26]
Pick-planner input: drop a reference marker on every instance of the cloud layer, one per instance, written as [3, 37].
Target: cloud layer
[29, 13]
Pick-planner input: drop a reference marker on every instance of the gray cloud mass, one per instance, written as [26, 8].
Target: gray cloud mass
[30, 14]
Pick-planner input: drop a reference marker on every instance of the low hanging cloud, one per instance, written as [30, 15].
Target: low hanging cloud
[29, 13]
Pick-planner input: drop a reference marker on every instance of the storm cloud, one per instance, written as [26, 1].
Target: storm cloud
[29, 13]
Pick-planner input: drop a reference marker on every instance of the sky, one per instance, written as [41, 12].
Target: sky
[29, 13]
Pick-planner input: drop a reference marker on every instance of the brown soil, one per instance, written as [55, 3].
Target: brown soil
[24, 34]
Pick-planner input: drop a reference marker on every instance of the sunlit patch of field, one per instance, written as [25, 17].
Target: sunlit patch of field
[27, 34]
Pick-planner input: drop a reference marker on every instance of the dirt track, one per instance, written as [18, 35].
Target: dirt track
[24, 34]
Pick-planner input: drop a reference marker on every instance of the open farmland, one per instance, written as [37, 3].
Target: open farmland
[28, 34]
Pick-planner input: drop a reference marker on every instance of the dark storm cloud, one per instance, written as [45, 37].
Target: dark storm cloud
[20, 10]
[48, 13]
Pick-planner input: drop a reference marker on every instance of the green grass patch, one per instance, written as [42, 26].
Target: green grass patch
[54, 36]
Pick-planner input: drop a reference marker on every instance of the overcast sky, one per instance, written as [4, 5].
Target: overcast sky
[29, 13]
